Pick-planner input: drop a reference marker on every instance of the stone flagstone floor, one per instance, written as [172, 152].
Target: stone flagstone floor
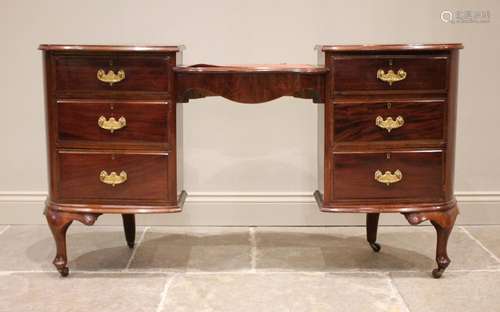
[249, 269]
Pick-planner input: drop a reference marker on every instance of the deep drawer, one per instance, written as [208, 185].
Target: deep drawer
[111, 123]
[390, 73]
[408, 175]
[389, 121]
[112, 73]
[117, 176]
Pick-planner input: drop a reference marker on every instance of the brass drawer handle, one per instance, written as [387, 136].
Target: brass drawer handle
[388, 177]
[112, 124]
[110, 77]
[391, 76]
[389, 123]
[112, 178]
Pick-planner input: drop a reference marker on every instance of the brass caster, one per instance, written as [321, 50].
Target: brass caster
[63, 271]
[375, 246]
[437, 273]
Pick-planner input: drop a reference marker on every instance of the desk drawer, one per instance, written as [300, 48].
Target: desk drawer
[112, 176]
[390, 73]
[389, 121]
[85, 73]
[406, 175]
[112, 123]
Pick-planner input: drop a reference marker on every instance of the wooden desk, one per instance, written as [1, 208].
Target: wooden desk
[386, 120]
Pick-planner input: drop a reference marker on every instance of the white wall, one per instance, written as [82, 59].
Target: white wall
[234, 152]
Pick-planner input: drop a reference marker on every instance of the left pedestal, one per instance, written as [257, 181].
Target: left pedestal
[111, 121]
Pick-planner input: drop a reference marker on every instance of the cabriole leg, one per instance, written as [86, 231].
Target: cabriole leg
[443, 222]
[59, 223]
[371, 230]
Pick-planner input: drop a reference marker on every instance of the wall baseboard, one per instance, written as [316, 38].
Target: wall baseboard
[244, 208]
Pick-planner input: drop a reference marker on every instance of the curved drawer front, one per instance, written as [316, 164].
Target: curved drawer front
[84, 73]
[390, 74]
[111, 123]
[389, 121]
[405, 175]
[89, 176]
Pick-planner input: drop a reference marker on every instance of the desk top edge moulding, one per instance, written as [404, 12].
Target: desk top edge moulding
[386, 130]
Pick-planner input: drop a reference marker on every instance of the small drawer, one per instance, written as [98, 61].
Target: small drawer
[82, 73]
[390, 73]
[402, 175]
[111, 123]
[112, 176]
[389, 121]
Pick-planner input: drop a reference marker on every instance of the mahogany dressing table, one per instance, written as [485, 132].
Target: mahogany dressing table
[386, 123]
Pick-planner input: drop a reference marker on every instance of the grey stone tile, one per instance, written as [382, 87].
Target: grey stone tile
[236, 292]
[32, 247]
[3, 228]
[44, 292]
[488, 235]
[292, 249]
[455, 291]
[193, 249]
[333, 249]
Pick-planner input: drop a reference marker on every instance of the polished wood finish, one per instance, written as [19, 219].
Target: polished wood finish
[352, 147]
[353, 176]
[358, 73]
[355, 121]
[131, 206]
[422, 148]
[146, 124]
[146, 73]
[59, 223]
[249, 84]
[379, 206]
[147, 176]
[251, 69]
[352, 138]
[129, 228]
[443, 222]
[371, 230]
[109, 48]
[390, 47]
[79, 149]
